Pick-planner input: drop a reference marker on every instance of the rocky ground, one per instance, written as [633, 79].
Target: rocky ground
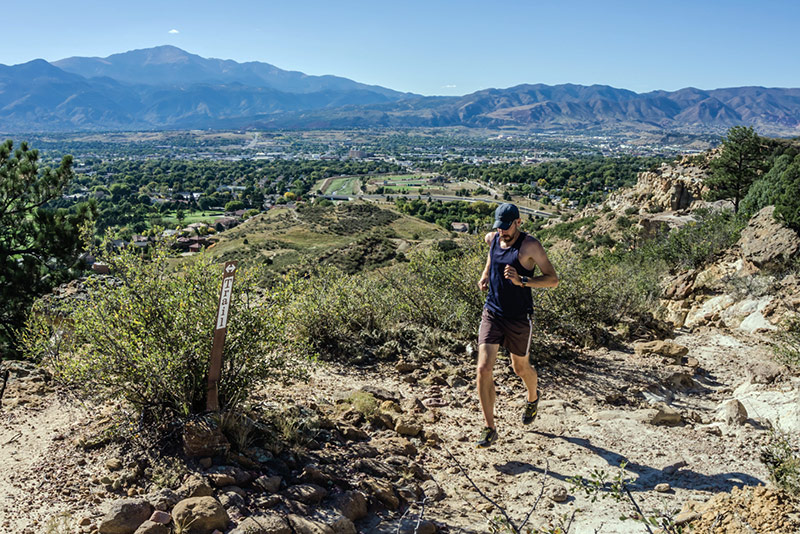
[688, 424]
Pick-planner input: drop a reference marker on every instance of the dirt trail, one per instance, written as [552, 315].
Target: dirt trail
[32, 462]
[593, 415]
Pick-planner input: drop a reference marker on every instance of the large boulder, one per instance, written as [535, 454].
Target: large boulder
[125, 516]
[767, 243]
[200, 515]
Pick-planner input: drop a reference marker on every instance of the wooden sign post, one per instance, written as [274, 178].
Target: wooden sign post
[220, 329]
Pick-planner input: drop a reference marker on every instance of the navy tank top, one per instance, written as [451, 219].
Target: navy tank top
[506, 299]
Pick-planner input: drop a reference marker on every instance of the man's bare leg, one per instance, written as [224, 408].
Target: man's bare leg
[487, 354]
[523, 368]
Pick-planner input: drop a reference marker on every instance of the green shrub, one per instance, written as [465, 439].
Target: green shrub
[782, 459]
[566, 230]
[347, 317]
[788, 346]
[364, 403]
[144, 336]
[337, 314]
[596, 291]
[697, 242]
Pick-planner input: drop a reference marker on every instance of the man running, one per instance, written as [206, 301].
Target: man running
[506, 319]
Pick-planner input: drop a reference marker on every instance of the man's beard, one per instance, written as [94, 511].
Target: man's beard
[508, 238]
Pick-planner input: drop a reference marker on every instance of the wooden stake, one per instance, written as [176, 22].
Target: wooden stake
[220, 329]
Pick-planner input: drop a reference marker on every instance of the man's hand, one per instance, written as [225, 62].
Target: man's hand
[510, 273]
[483, 283]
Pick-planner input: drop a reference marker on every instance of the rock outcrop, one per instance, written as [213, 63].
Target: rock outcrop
[766, 243]
[671, 187]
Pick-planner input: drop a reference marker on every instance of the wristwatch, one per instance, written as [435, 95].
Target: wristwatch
[524, 280]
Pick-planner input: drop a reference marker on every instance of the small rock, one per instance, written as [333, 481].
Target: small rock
[692, 362]
[377, 467]
[195, 486]
[164, 499]
[307, 493]
[384, 491]
[713, 429]
[114, 464]
[665, 415]
[764, 372]
[232, 499]
[151, 527]
[662, 488]
[732, 413]
[394, 446]
[312, 474]
[668, 349]
[269, 484]
[407, 428]
[405, 367]
[201, 514]
[380, 393]
[85, 522]
[263, 524]
[303, 525]
[352, 505]
[456, 381]
[125, 516]
[432, 490]
[351, 433]
[413, 405]
[161, 517]
[686, 517]
[673, 468]
[409, 526]
[559, 494]
[220, 480]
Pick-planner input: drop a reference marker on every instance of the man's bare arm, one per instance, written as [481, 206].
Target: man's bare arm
[483, 283]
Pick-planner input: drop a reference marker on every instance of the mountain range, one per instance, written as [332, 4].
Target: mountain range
[168, 88]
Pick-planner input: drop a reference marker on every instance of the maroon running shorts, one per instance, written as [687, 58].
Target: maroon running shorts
[513, 334]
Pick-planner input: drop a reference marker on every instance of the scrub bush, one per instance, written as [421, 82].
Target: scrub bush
[144, 334]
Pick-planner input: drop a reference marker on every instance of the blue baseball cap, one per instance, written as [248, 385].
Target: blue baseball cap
[505, 215]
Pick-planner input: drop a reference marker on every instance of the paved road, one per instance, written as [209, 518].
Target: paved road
[443, 198]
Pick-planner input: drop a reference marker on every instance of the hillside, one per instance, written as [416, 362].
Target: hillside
[351, 236]
[674, 407]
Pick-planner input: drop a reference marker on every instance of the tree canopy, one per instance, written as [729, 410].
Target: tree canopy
[39, 247]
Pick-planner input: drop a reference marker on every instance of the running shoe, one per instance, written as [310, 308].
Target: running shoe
[531, 409]
[488, 437]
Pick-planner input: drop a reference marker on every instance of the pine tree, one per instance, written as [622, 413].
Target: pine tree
[742, 159]
[39, 247]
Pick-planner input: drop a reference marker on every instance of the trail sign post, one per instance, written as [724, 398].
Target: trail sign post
[220, 329]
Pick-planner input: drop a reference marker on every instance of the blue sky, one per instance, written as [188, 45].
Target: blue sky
[441, 47]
